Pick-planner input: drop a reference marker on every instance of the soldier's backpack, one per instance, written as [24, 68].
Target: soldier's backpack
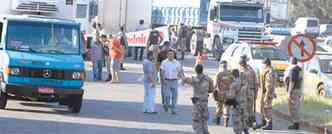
[154, 37]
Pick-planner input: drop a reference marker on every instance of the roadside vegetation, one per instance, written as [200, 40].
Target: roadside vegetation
[313, 108]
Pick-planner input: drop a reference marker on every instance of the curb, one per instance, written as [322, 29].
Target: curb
[309, 126]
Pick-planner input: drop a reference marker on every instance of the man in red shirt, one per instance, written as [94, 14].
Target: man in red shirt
[116, 56]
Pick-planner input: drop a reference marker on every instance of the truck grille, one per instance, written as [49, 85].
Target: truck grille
[45, 73]
[250, 34]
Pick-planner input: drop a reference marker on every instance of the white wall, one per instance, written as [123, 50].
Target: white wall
[5, 6]
[112, 15]
[177, 3]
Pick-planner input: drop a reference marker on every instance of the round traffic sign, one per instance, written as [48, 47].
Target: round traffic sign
[302, 47]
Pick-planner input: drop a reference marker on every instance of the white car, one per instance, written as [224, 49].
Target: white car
[318, 75]
[256, 54]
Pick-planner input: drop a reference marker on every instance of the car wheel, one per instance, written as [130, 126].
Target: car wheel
[321, 90]
[3, 100]
[75, 104]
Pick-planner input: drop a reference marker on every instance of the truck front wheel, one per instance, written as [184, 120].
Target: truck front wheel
[75, 103]
[3, 100]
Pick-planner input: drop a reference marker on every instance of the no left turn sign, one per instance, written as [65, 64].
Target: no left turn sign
[302, 47]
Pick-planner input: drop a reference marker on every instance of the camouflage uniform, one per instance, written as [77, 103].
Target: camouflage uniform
[240, 113]
[249, 84]
[202, 85]
[268, 83]
[222, 83]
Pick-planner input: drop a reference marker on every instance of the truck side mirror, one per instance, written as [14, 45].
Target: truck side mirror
[213, 13]
[314, 71]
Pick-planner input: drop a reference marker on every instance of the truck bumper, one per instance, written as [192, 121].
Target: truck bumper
[30, 91]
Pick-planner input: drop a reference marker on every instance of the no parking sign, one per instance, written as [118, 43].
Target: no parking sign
[302, 47]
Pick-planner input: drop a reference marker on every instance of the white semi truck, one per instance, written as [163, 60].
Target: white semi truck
[234, 21]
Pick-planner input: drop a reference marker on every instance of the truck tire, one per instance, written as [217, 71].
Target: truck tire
[3, 99]
[75, 103]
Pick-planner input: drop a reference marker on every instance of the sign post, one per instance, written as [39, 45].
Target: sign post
[302, 47]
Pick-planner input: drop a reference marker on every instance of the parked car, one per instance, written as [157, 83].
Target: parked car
[306, 25]
[256, 54]
[325, 30]
[318, 75]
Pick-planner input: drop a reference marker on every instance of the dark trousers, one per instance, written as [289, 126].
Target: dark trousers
[139, 52]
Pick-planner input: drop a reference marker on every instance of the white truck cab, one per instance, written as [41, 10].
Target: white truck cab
[306, 25]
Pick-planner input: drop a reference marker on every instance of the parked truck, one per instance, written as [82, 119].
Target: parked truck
[41, 56]
[230, 22]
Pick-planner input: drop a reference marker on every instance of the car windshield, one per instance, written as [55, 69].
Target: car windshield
[248, 14]
[268, 52]
[43, 37]
[326, 66]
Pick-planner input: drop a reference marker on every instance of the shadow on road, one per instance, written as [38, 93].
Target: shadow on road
[27, 126]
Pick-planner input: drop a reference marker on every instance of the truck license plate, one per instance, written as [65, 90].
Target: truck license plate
[45, 90]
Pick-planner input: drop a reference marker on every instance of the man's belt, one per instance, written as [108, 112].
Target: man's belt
[171, 79]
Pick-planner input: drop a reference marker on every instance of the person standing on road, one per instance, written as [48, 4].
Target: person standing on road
[116, 55]
[268, 83]
[222, 82]
[97, 58]
[150, 81]
[124, 44]
[171, 70]
[200, 34]
[106, 44]
[173, 38]
[295, 78]
[239, 103]
[153, 43]
[139, 51]
[203, 85]
[249, 84]
[161, 57]
[182, 34]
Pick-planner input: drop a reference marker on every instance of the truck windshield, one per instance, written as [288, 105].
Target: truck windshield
[268, 52]
[246, 14]
[39, 37]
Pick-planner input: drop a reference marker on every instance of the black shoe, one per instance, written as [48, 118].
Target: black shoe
[246, 131]
[217, 120]
[109, 78]
[165, 108]
[295, 126]
[268, 126]
[226, 122]
[123, 68]
[174, 113]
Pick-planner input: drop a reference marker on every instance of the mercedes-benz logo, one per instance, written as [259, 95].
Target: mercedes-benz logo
[47, 73]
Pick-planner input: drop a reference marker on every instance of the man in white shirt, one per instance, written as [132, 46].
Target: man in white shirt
[171, 71]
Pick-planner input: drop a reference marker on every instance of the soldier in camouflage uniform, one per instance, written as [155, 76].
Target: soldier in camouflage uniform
[239, 102]
[268, 83]
[294, 82]
[203, 85]
[222, 82]
[249, 83]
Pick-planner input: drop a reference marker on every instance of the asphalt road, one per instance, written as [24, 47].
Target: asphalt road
[114, 109]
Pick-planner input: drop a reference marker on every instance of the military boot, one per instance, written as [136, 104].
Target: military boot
[217, 120]
[268, 126]
[226, 122]
[295, 126]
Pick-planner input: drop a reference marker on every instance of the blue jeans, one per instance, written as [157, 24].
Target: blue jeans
[97, 70]
[149, 98]
[171, 94]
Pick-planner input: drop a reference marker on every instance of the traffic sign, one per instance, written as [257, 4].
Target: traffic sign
[302, 47]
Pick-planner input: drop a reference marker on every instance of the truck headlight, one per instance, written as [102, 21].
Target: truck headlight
[13, 71]
[78, 76]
